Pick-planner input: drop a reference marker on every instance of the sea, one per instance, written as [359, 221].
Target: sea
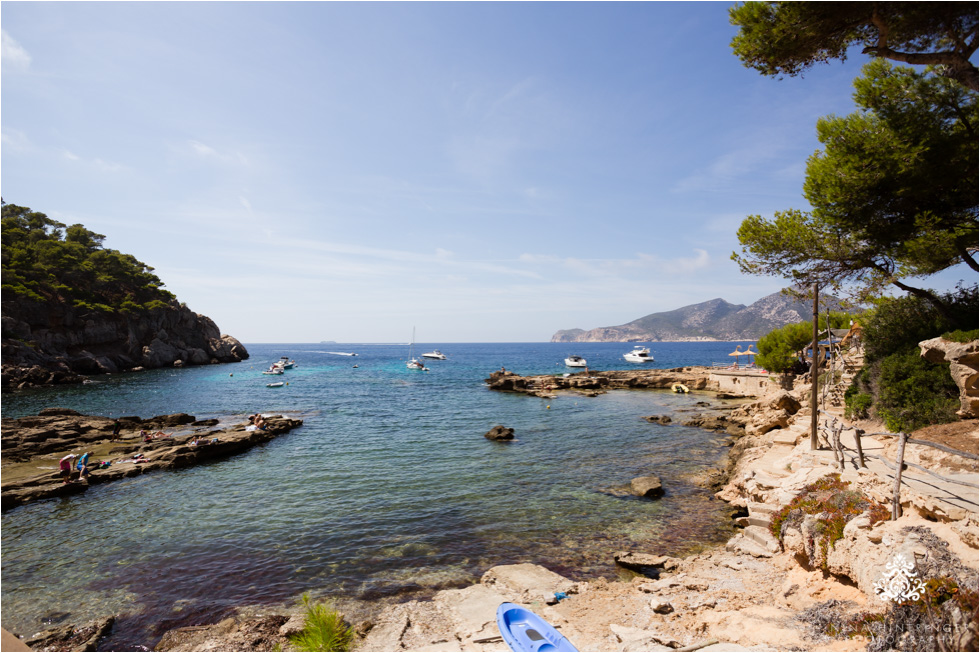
[388, 492]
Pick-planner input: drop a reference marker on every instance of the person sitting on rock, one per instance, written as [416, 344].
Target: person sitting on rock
[66, 467]
[260, 422]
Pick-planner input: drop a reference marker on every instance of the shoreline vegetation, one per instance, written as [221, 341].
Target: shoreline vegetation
[808, 585]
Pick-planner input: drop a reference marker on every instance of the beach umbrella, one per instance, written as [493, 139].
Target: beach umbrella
[738, 351]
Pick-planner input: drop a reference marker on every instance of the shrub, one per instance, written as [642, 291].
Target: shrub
[325, 629]
[962, 336]
[912, 392]
[857, 404]
[834, 502]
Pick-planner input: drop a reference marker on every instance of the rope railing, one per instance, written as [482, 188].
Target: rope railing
[834, 427]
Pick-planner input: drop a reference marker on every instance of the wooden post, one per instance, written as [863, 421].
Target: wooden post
[896, 497]
[858, 433]
[814, 445]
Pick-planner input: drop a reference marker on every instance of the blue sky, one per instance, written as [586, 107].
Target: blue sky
[348, 171]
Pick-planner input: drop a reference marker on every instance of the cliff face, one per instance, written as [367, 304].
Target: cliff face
[712, 320]
[46, 343]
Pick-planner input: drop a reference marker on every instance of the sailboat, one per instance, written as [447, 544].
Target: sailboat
[414, 363]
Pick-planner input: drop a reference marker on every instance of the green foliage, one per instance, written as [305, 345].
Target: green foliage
[787, 38]
[912, 392]
[44, 260]
[857, 404]
[778, 348]
[324, 630]
[893, 192]
[961, 336]
[906, 391]
[835, 504]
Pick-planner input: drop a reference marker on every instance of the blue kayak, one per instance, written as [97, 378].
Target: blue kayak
[523, 630]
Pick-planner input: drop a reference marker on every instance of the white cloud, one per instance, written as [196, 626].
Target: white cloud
[14, 57]
[15, 140]
[205, 151]
[202, 149]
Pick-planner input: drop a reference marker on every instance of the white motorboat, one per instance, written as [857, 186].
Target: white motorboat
[434, 354]
[275, 369]
[285, 363]
[342, 353]
[277, 384]
[575, 361]
[639, 355]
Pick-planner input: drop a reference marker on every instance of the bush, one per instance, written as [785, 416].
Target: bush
[898, 324]
[962, 336]
[857, 404]
[325, 629]
[912, 392]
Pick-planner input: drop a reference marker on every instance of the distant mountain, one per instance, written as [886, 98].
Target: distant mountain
[712, 320]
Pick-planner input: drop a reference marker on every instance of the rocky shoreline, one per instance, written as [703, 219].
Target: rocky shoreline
[32, 442]
[793, 591]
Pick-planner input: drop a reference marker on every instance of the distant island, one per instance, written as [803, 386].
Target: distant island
[711, 320]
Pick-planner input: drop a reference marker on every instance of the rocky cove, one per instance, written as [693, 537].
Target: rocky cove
[759, 591]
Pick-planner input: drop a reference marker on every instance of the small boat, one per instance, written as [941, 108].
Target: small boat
[523, 630]
[342, 353]
[575, 361]
[680, 387]
[285, 363]
[639, 355]
[435, 354]
[277, 384]
[275, 369]
[414, 363]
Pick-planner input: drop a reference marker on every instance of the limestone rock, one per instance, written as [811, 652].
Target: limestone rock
[963, 364]
[46, 343]
[647, 486]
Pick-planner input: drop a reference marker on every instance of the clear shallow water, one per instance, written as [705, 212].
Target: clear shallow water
[388, 489]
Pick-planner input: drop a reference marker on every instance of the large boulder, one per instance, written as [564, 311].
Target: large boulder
[649, 487]
[963, 362]
[500, 433]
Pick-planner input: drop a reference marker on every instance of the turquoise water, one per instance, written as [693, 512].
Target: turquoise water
[389, 490]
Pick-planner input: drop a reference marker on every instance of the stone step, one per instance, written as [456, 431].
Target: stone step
[742, 544]
[786, 437]
[755, 507]
[758, 520]
[761, 536]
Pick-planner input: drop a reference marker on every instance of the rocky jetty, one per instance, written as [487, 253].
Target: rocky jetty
[30, 443]
[593, 383]
[46, 343]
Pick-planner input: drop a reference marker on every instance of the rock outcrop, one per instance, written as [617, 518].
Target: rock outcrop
[47, 437]
[500, 433]
[46, 343]
[963, 362]
[592, 383]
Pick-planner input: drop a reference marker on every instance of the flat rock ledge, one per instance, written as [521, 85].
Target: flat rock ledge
[51, 436]
[596, 382]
